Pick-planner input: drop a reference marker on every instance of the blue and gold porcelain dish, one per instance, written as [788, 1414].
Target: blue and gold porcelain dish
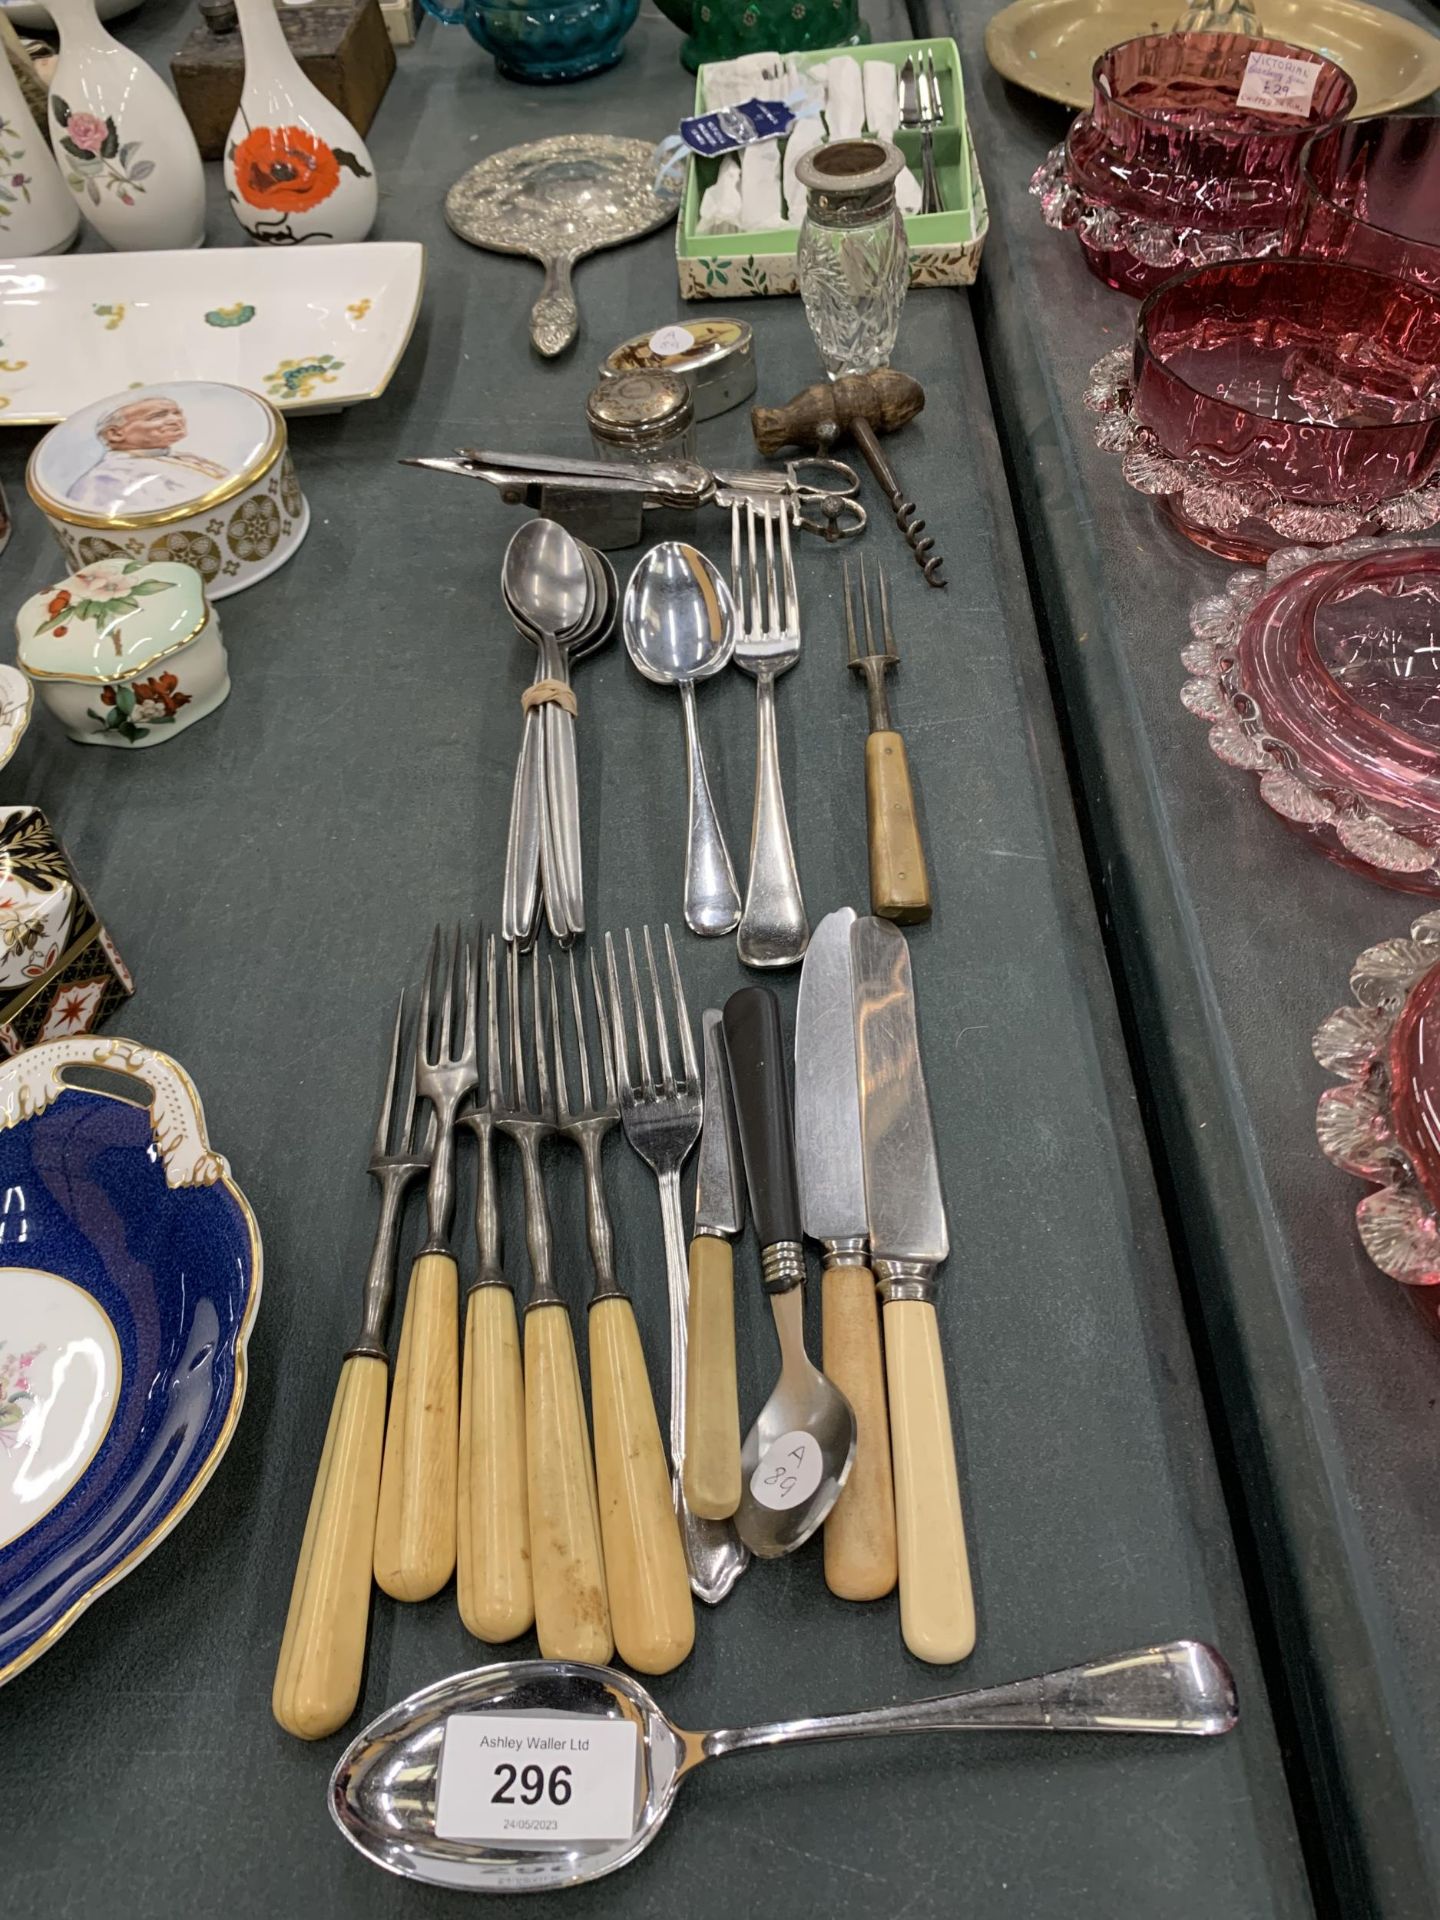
[129, 1278]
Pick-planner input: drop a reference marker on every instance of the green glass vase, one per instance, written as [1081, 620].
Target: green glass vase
[725, 29]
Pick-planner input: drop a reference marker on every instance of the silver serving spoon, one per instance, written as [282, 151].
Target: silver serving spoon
[383, 1792]
[549, 588]
[679, 627]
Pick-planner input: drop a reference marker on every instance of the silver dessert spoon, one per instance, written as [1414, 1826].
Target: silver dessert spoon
[679, 627]
[383, 1792]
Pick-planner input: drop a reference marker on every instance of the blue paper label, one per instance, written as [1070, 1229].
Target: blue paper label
[729, 128]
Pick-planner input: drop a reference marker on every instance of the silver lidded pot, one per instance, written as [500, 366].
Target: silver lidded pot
[642, 416]
[853, 257]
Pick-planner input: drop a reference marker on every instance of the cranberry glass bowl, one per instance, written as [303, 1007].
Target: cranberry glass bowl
[1369, 194]
[1380, 1124]
[1321, 675]
[1274, 401]
[1167, 171]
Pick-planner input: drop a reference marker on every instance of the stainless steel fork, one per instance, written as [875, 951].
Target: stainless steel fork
[661, 1117]
[322, 1654]
[774, 931]
[572, 1609]
[415, 1526]
[650, 1606]
[492, 1529]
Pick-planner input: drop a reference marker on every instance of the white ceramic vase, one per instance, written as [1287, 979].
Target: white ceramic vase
[37, 214]
[295, 168]
[125, 148]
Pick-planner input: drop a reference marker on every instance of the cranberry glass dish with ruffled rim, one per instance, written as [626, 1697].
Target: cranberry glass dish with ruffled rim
[1271, 401]
[1369, 195]
[1382, 1123]
[1165, 171]
[1320, 675]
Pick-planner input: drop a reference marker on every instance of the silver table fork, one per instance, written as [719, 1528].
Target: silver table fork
[661, 1117]
[774, 931]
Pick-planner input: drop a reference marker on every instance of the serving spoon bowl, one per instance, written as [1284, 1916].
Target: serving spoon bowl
[383, 1791]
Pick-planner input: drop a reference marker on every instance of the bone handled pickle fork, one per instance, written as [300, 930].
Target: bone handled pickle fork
[492, 1527]
[650, 1605]
[773, 929]
[661, 1117]
[415, 1526]
[572, 1609]
[322, 1653]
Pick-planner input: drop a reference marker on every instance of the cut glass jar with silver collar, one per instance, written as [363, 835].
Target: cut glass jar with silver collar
[853, 257]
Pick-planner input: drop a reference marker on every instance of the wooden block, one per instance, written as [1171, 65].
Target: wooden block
[344, 49]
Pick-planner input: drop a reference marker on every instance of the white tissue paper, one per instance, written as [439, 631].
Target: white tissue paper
[720, 204]
[805, 86]
[754, 76]
[882, 98]
[845, 98]
[908, 196]
[760, 188]
[803, 135]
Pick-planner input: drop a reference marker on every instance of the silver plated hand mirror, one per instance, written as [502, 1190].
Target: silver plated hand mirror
[557, 200]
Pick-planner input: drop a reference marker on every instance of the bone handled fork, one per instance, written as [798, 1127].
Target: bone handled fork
[773, 929]
[650, 1605]
[322, 1654]
[661, 1117]
[492, 1566]
[572, 1609]
[415, 1526]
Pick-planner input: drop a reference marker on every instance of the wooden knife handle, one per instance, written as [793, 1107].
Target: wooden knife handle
[937, 1606]
[899, 884]
[650, 1605]
[415, 1527]
[712, 1406]
[492, 1521]
[322, 1652]
[860, 1559]
[572, 1612]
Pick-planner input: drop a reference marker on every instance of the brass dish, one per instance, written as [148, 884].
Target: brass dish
[1050, 46]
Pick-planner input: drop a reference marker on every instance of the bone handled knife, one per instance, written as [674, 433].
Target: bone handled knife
[712, 1407]
[909, 1239]
[860, 1561]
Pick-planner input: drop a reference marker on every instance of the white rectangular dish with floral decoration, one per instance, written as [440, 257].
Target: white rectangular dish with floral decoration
[311, 329]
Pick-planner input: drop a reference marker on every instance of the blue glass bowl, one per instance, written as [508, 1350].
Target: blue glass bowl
[549, 40]
[129, 1278]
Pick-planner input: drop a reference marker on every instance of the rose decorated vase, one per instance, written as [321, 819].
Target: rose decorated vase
[125, 149]
[295, 169]
[37, 213]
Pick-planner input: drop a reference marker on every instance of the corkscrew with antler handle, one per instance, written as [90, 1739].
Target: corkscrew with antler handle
[863, 405]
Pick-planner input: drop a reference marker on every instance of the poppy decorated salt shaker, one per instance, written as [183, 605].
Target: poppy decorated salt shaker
[295, 168]
[125, 149]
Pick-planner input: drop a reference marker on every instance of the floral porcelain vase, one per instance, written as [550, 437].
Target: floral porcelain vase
[37, 214]
[125, 149]
[295, 168]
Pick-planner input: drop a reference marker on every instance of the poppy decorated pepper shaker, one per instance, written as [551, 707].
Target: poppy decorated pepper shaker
[295, 168]
[125, 149]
